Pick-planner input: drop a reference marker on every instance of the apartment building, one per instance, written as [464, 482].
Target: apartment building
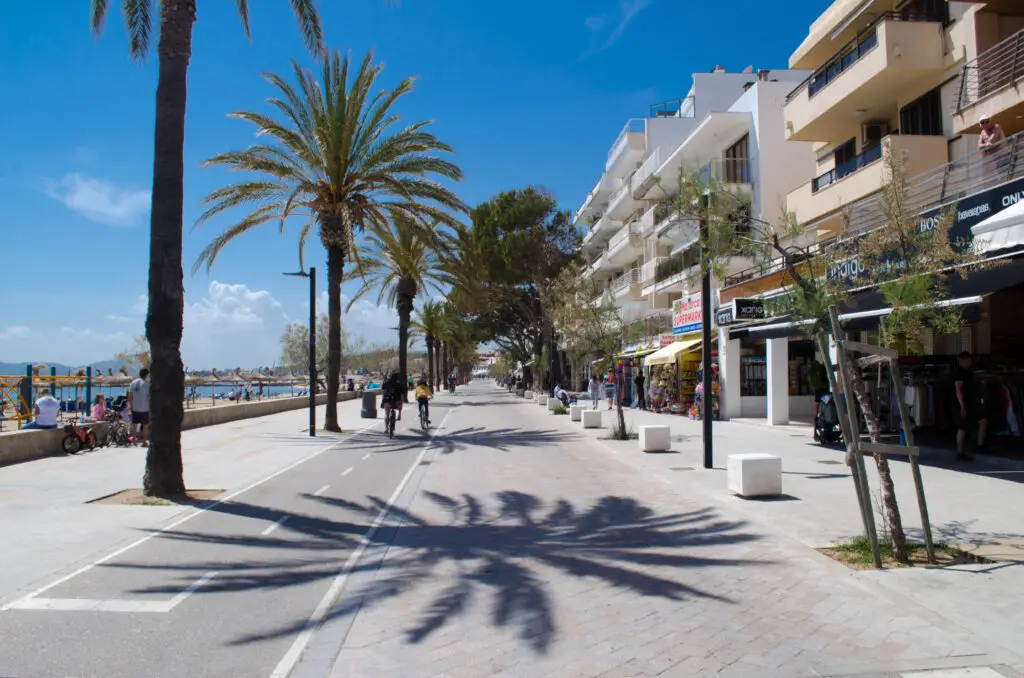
[909, 80]
[728, 126]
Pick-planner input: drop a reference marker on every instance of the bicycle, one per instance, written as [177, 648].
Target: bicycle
[117, 430]
[77, 437]
[389, 421]
[424, 424]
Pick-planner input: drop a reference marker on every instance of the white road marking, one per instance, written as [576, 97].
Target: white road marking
[112, 604]
[320, 492]
[294, 653]
[176, 523]
[366, 456]
[346, 472]
[270, 528]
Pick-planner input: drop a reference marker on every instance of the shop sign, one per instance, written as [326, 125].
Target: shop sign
[969, 211]
[666, 340]
[739, 311]
[686, 314]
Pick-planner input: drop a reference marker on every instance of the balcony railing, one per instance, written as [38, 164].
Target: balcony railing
[630, 277]
[631, 229]
[674, 108]
[643, 177]
[995, 68]
[632, 126]
[852, 51]
[728, 170]
[965, 176]
[650, 323]
[650, 269]
[866, 157]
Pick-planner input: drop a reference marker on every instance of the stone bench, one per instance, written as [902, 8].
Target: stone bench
[755, 475]
[591, 418]
[576, 412]
[655, 438]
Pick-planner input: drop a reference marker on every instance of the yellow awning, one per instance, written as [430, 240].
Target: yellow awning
[667, 354]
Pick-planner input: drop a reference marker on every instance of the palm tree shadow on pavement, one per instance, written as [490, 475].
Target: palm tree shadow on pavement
[496, 549]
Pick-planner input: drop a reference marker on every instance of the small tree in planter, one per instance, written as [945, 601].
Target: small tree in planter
[591, 329]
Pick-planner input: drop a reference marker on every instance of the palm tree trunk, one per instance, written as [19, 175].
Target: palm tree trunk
[335, 271]
[164, 473]
[430, 360]
[444, 363]
[405, 307]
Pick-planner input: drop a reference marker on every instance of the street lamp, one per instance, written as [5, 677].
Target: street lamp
[312, 345]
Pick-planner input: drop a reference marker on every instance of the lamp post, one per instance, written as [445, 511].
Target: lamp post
[312, 345]
[707, 401]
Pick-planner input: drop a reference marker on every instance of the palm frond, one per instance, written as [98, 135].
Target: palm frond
[243, 15]
[139, 23]
[209, 254]
[309, 25]
[98, 16]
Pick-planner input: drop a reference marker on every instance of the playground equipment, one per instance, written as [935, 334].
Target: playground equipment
[13, 407]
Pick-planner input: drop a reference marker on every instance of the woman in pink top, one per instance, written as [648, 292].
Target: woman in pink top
[99, 408]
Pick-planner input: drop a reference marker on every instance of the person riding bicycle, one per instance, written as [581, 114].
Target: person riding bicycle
[391, 395]
[423, 396]
[451, 383]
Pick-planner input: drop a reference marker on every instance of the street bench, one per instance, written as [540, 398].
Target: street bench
[755, 475]
[655, 438]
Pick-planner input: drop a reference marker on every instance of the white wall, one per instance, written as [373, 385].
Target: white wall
[782, 166]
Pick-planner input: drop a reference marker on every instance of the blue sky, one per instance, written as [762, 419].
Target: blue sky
[529, 92]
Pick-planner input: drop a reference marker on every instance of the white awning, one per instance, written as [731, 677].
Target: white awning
[667, 354]
[1001, 230]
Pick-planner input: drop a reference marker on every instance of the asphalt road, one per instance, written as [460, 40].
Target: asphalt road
[233, 589]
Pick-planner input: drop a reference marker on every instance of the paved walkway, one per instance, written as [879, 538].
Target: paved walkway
[532, 549]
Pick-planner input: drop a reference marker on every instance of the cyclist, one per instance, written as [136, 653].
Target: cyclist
[451, 383]
[391, 395]
[423, 396]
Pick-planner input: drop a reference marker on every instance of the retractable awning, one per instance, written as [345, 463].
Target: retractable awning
[667, 354]
[1002, 230]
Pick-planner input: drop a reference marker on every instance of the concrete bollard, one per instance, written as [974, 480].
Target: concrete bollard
[591, 418]
[576, 412]
[655, 438]
[553, 403]
[755, 475]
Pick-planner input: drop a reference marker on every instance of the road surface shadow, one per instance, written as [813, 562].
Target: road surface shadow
[497, 547]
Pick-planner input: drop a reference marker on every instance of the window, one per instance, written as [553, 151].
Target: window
[923, 116]
[845, 153]
[737, 162]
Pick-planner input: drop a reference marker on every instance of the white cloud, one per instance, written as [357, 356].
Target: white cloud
[100, 200]
[15, 332]
[602, 39]
[119, 319]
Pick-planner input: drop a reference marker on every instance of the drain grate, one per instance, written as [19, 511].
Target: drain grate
[681, 468]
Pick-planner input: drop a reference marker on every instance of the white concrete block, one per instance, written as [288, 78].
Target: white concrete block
[755, 475]
[552, 403]
[542, 400]
[591, 418]
[576, 412]
[655, 438]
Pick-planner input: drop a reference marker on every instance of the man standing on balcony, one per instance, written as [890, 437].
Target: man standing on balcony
[991, 136]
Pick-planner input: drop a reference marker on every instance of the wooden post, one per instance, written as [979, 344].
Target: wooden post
[854, 456]
[915, 467]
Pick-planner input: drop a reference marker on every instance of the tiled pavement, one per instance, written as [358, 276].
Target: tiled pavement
[527, 553]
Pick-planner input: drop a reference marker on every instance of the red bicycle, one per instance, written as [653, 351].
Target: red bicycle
[77, 438]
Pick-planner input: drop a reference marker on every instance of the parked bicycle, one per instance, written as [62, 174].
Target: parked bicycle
[77, 438]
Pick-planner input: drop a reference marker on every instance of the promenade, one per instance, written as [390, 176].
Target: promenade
[504, 541]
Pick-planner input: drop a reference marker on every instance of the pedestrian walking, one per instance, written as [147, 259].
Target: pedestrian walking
[609, 389]
[595, 391]
[641, 401]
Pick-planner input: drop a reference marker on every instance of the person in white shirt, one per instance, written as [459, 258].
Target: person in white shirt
[45, 412]
[138, 398]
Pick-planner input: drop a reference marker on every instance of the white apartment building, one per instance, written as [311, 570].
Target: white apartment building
[731, 126]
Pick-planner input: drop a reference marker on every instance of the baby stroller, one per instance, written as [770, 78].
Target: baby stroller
[826, 421]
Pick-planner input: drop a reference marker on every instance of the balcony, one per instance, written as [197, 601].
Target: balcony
[622, 205]
[597, 199]
[629, 146]
[623, 246]
[735, 172]
[896, 54]
[628, 281]
[991, 85]
[646, 175]
[674, 108]
[864, 175]
[648, 323]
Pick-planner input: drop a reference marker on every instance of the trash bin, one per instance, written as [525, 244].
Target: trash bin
[369, 410]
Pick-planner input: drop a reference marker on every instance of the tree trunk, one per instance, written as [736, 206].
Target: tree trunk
[444, 364]
[335, 271]
[164, 318]
[430, 360]
[405, 307]
[892, 508]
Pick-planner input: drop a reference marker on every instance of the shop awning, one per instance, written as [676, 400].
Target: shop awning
[667, 354]
[1002, 230]
[867, 307]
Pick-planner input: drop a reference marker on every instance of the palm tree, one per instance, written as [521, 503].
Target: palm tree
[335, 161]
[164, 317]
[431, 323]
[399, 262]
